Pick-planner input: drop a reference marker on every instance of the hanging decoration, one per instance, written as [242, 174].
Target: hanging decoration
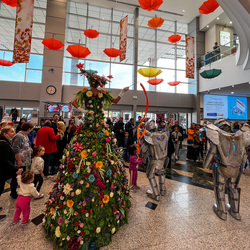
[6, 63]
[155, 81]
[78, 51]
[23, 31]
[189, 56]
[110, 77]
[149, 72]
[123, 37]
[53, 44]
[175, 83]
[211, 73]
[150, 5]
[138, 128]
[174, 38]
[155, 22]
[208, 7]
[111, 52]
[11, 3]
[92, 34]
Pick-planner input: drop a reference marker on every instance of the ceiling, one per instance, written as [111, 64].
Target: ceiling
[176, 10]
[239, 90]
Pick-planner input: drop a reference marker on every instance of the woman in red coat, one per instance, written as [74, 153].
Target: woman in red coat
[46, 137]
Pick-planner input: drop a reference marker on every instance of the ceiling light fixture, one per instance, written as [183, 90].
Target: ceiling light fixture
[232, 92]
[248, 82]
[232, 86]
[231, 22]
[183, 11]
[218, 18]
[207, 26]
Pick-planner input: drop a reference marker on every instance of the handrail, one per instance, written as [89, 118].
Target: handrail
[219, 53]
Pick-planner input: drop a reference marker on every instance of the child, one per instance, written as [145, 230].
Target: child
[25, 192]
[176, 139]
[37, 166]
[134, 161]
[127, 143]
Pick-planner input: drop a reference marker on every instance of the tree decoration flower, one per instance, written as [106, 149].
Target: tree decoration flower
[78, 191]
[105, 199]
[99, 164]
[60, 221]
[80, 65]
[109, 172]
[94, 154]
[103, 91]
[67, 189]
[52, 211]
[106, 133]
[91, 178]
[89, 94]
[100, 95]
[113, 230]
[75, 175]
[70, 203]
[84, 154]
[84, 90]
[78, 146]
[58, 232]
[98, 230]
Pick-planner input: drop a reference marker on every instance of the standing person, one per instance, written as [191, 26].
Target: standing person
[198, 145]
[61, 144]
[133, 166]
[61, 119]
[46, 137]
[190, 141]
[21, 122]
[25, 192]
[37, 166]
[31, 137]
[176, 139]
[70, 130]
[129, 127]
[21, 146]
[138, 121]
[7, 167]
[119, 132]
[127, 143]
[54, 123]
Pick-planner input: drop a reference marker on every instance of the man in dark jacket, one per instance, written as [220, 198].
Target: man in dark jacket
[129, 127]
[119, 132]
[8, 169]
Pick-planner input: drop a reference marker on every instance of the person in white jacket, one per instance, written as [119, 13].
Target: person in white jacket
[26, 190]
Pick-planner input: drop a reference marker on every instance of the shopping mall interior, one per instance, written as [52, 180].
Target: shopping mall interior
[218, 87]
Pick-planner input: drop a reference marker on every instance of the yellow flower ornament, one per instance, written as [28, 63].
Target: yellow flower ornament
[89, 93]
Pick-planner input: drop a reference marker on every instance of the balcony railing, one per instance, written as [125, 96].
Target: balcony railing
[218, 53]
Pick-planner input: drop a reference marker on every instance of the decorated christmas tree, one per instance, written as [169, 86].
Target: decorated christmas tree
[90, 199]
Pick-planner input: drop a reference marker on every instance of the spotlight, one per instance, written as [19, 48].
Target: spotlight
[232, 92]
[218, 18]
[207, 26]
[232, 86]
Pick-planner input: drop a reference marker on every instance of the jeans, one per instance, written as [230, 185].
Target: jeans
[47, 159]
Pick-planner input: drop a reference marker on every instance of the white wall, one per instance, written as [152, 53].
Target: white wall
[231, 74]
[210, 39]
[205, 20]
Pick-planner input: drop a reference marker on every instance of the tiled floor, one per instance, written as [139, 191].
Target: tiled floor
[183, 219]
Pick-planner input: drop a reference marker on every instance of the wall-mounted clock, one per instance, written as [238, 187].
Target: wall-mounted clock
[51, 90]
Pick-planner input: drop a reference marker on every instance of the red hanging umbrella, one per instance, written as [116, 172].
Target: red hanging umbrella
[155, 22]
[155, 81]
[208, 7]
[174, 38]
[52, 43]
[150, 5]
[78, 51]
[91, 33]
[175, 83]
[11, 3]
[6, 63]
[111, 52]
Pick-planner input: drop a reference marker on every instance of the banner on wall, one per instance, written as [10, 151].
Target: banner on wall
[189, 57]
[123, 37]
[23, 31]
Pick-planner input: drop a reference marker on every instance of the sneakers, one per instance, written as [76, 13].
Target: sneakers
[2, 217]
[28, 221]
[15, 222]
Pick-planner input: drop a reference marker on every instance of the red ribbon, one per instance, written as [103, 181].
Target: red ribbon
[144, 131]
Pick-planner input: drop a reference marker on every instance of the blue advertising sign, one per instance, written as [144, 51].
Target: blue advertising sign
[237, 108]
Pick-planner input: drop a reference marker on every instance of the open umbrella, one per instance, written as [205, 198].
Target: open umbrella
[6, 63]
[78, 51]
[208, 7]
[174, 38]
[155, 81]
[211, 73]
[149, 72]
[52, 43]
[111, 52]
[175, 83]
[91, 33]
[12, 3]
[155, 22]
[150, 5]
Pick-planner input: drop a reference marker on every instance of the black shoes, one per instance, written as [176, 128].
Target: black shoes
[2, 217]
